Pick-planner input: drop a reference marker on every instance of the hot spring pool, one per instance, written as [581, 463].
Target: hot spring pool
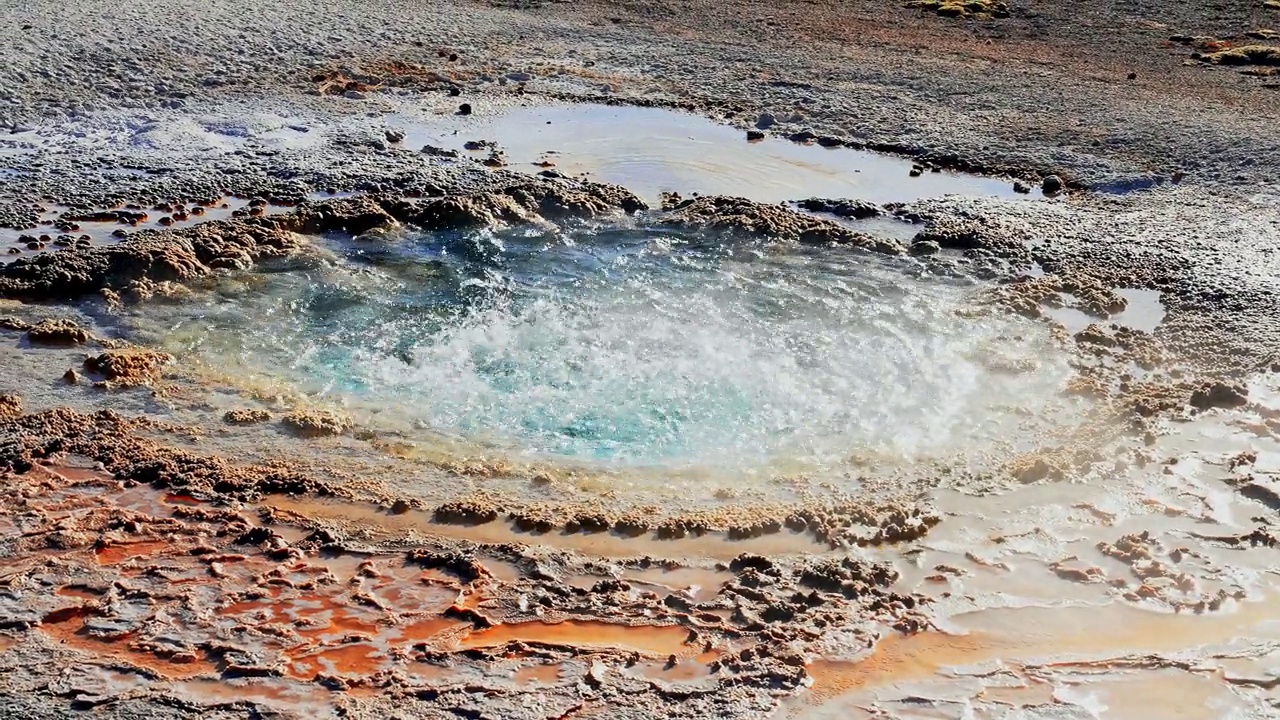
[631, 347]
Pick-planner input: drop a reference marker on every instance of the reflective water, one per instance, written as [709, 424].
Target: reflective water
[1144, 312]
[653, 150]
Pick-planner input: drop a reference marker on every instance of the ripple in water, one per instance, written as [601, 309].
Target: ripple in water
[634, 348]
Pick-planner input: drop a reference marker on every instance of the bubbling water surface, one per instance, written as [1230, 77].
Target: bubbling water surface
[637, 348]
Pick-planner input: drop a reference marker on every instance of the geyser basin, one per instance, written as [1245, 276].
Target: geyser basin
[635, 348]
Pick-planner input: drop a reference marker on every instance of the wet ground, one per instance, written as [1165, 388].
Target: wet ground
[57, 227]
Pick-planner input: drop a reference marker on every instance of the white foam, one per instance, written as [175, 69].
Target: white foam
[834, 359]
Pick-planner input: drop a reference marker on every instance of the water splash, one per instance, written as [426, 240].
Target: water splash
[638, 348]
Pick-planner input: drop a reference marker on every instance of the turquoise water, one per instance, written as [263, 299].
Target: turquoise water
[631, 347]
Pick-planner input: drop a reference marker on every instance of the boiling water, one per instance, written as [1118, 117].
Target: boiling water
[634, 347]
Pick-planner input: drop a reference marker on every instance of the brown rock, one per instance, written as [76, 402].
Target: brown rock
[128, 367]
[739, 215]
[246, 416]
[466, 512]
[10, 406]
[13, 323]
[58, 332]
[316, 423]
[1219, 395]
[147, 261]
[525, 203]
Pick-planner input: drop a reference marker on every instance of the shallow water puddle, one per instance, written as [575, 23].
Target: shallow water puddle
[79, 592]
[1164, 694]
[1065, 637]
[698, 583]
[359, 659]
[69, 627]
[683, 670]
[653, 150]
[1144, 312]
[115, 554]
[297, 617]
[287, 694]
[547, 674]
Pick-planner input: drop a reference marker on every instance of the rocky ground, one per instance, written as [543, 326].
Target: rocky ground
[165, 551]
